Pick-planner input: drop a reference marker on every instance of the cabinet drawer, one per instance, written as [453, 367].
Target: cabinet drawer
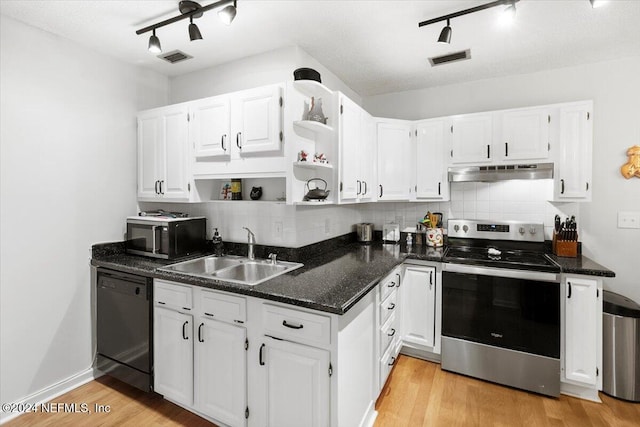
[224, 307]
[386, 365]
[388, 332]
[388, 306]
[389, 284]
[172, 295]
[296, 325]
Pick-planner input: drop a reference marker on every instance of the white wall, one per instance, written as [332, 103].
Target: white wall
[614, 87]
[68, 162]
[268, 68]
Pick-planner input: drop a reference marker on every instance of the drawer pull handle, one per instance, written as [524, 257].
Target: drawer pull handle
[200, 332]
[392, 333]
[289, 325]
[261, 360]
[391, 306]
[392, 361]
[160, 302]
[391, 285]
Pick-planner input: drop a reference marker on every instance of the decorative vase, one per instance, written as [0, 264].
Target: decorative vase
[315, 112]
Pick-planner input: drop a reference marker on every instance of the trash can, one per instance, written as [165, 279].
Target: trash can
[621, 347]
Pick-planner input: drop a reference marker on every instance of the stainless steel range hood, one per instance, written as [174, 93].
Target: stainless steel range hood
[501, 172]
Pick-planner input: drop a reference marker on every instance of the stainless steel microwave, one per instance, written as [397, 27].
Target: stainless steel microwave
[168, 238]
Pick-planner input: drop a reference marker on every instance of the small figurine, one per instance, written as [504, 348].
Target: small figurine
[302, 156]
[320, 158]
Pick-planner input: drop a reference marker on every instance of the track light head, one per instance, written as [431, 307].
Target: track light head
[228, 14]
[194, 31]
[445, 34]
[154, 43]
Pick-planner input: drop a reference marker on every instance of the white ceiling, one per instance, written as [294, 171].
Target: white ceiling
[375, 47]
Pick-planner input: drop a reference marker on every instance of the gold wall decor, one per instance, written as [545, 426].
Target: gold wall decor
[632, 167]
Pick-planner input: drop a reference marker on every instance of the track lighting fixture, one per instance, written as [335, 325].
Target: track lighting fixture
[154, 43]
[227, 14]
[190, 10]
[194, 31]
[445, 34]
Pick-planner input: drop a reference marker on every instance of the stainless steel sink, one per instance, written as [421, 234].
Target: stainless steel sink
[234, 269]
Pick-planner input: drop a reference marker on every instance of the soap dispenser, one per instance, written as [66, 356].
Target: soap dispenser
[218, 246]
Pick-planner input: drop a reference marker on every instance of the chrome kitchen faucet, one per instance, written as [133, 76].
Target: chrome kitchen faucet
[251, 242]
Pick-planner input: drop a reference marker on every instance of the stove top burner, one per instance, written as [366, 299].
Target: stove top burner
[489, 256]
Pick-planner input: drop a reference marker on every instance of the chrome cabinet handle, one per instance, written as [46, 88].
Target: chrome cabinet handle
[365, 188]
[359, 186]
[239, 140]
[223, 139]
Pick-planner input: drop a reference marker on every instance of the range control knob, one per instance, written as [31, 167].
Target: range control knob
[532, 230]
[521, 230]
[465, 228]
[456, 227]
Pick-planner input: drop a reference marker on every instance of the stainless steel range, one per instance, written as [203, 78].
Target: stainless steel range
[501, 305]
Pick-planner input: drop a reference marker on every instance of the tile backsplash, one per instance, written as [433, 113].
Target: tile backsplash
[279, 224]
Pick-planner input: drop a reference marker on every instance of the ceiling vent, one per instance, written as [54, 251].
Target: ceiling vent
[450, 57]
[174, 56]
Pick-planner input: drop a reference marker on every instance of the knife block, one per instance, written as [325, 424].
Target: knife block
[564, 248]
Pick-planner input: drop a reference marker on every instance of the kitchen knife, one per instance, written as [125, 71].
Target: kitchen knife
[557, 223]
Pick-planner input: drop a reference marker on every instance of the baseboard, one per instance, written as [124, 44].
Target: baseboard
[370, 417]
[581, 392]
[52, 392]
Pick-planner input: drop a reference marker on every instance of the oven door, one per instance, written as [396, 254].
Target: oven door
[512, 309]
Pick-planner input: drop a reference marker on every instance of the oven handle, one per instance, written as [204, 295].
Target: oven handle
[501, 272]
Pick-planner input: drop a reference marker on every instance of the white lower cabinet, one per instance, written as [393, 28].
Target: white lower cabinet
[221, 371]
[419, 305]
[173, 354]
[582, 335]
[297, 380]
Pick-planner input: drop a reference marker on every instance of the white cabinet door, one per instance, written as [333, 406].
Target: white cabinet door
[394, 139]
[298, 384]
[163, 153]
[572, 180]
[582, 314]
[211, 126]
[350, 138]
[221, 371]
[419, 305]
[258, 117]
[431, 171]
[525, 134]
[175, 182]
[150, 150]
[367, 151]
[173, 354]
[471, 138]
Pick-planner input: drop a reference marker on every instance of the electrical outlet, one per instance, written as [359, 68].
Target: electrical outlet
[628, 219]
[277, 229]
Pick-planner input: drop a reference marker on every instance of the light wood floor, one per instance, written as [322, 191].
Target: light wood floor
[418, 393]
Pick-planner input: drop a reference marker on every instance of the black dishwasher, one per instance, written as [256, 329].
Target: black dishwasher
[125, 327]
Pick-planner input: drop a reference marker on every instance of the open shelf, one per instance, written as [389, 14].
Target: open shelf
[310, 203]
[316, 127]
[313, 165]
[312, 88]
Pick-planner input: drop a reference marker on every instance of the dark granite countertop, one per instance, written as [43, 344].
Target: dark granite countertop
[331, 282]
[581, 265]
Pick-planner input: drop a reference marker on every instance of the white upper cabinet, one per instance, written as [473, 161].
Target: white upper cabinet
[431, 170]
[258, 119]
[573, 167]
[525, 134]
[471, 136]
[163, 154]
[357, 152]
[211, 126]
[394, 145]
